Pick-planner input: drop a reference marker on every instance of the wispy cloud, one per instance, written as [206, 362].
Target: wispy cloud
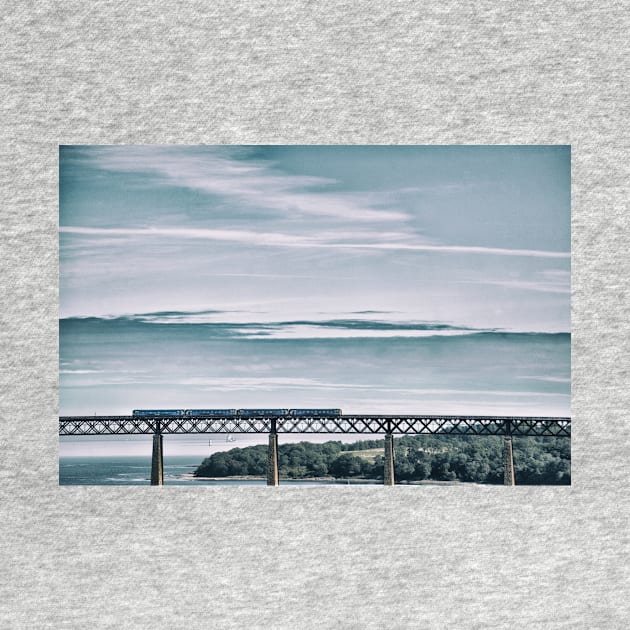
[547, 379]
[460, 249]
[236, 236]
[259, 383]
[81, 372]
[275, 239]
[253, 184]
[550, 281]
[299, 331]
[523, 284]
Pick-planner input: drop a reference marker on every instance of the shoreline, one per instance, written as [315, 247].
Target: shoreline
[331, 480]
[192, 476]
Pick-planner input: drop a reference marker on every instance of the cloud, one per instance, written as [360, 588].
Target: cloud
[523, 284]
[260, 383]
[547, 379]
[461, 249]
[81, 372]
[238, 236]
[551, 281]
[316, 331]
[557, 274]
[253, 184]
[275, 239]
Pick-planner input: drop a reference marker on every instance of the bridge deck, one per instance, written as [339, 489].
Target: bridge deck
[370, 424]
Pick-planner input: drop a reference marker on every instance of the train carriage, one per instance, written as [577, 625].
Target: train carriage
[230, 413]
[211, 413]
[316, 413]
[158, 413]
[263, 413]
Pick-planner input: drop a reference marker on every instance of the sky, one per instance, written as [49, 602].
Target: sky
[473, 236]
[324, 276]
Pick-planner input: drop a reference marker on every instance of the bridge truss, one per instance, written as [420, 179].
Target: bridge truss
[357, 424]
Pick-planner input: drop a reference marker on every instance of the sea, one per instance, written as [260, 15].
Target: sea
[136, 471]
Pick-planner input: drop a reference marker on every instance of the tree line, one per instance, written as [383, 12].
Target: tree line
[537, 460]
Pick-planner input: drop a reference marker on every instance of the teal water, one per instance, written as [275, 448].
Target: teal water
[136, 471]
[123, 471]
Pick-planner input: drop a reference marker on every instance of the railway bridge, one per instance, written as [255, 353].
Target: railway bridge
[274, 424]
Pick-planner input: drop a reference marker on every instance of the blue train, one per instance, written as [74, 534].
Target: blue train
[234, 413]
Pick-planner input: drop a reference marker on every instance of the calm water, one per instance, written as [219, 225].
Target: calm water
[136, 471]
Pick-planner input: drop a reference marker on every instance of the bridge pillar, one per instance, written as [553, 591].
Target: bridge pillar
[157, 461]
[508, 462]
[388, 464]
[273, 475]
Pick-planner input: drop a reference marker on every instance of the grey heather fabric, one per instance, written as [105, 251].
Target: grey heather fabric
[327, 72]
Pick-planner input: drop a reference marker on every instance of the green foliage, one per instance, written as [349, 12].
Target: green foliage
[417, 457]
[346, 465]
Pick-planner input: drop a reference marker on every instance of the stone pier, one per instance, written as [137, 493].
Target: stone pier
[157, 461]
[273, 476]
[508, 462]
[388, 464]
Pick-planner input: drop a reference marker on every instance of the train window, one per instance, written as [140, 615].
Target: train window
[316, 412]
[214, 413]
[263, 412]
[158, 413]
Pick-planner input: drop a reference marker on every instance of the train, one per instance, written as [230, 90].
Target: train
[234, 413]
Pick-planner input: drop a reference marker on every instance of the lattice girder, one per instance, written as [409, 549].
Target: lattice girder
[359, 424]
